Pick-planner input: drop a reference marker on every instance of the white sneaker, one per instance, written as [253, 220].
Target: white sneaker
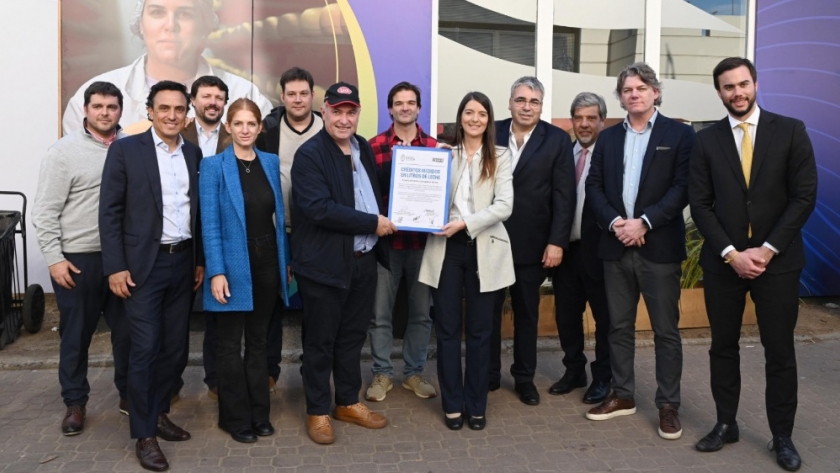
[420, 386]
[379, 388]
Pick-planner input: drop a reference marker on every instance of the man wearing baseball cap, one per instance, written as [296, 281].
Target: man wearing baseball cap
[335, 248]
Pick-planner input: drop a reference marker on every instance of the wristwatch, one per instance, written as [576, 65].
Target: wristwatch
[728, 259]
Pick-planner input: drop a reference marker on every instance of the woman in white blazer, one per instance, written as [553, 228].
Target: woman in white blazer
[470, 259]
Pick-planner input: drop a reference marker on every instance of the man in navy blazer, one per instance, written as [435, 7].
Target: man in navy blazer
[580, 279]
[539, 227]
[151, 250]
[638, 187]
[753, 186]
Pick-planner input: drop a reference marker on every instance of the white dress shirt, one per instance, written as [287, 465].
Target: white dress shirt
[738, 134]
[462, 205]
[207, 140]
[515, 150]
[175, 191]
[581, 187]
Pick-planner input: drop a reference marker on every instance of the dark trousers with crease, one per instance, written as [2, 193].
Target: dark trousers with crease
[335, 322]
[776, 298]
[459, 282]
[158, 316]
[525, 299]
[573, 287]
[243, 392]
[79, 311]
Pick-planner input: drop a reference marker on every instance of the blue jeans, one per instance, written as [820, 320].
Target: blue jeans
[419, 326]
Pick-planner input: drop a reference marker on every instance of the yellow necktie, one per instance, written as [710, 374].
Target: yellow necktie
[746, 159]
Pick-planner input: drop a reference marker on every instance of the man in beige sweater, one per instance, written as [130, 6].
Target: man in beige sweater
[285, 129]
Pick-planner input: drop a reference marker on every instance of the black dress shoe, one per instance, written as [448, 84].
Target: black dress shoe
[477, 423]
[149, 454]
[170, 432]
[720, 435]
[528, 393]
[597, 392]
[454, 423]
[494, 385]
[245, 435]
[263, 428]
[786, 455]
[569, 381]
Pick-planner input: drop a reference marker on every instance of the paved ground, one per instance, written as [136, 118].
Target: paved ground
[553, 436]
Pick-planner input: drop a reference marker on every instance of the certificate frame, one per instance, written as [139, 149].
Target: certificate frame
[416, 201]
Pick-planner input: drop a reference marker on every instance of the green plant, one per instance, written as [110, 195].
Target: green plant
[692, 273]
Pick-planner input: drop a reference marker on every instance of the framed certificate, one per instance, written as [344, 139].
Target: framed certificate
[419, 198]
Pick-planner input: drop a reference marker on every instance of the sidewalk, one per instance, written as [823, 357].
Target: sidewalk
[551, 437]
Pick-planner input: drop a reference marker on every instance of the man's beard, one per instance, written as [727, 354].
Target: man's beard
[740, 113]
[210, 121]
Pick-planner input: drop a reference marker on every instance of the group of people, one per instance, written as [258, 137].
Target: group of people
[130, 229]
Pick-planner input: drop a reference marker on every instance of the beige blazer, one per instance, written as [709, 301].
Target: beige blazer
[493, 199]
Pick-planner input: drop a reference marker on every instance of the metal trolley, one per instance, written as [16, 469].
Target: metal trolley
[16, 308]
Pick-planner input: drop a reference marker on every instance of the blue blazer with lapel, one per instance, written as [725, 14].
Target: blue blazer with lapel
[131, 206]
[663, 189]
[225, 231]
[543, 192]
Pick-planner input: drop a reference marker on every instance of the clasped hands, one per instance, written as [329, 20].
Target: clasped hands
[750, 263]
[630, 232]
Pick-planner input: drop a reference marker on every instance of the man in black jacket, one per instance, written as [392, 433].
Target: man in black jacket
[539, 227]
[336, 208]
[285, 129]
[753, 186]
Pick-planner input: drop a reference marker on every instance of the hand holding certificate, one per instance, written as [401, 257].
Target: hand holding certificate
[419, 198]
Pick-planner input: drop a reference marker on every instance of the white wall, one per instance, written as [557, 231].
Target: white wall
[29, 120]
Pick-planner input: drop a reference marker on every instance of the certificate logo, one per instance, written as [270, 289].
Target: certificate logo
[437, 160]
[404, 158]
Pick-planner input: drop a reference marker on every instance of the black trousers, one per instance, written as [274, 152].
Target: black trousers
[243, 393]
[274, 340]
[573, 287]
[459, 282]
[335, 322]
[80, 309]
[158, 317]
[525, 299]
[209, 348]
[776, 298]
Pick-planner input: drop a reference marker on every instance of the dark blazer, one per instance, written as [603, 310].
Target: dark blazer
[225, 232]
[543, 192]
[190, 134]
[131, 206]
[663, 189]
[781, 196]
[590, 239]
[324, 211]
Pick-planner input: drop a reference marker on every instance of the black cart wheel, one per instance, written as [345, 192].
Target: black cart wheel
[33, 308]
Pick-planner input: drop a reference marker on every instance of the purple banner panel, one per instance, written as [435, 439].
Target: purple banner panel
[797, 46]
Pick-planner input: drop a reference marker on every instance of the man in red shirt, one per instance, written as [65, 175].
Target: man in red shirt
[405, 253]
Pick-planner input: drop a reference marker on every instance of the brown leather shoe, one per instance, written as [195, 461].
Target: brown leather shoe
[320, 430]
[213, 393]
[359, 414]
[669, 422]
[271, 384]
[150, 456]
[124, 407]
[170, 432]
[74, 421]
[612, 407]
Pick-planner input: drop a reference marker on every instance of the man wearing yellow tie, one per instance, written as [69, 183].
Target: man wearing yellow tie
[753, 184]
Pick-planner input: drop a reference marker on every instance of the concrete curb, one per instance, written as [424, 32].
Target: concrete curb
[544, 345]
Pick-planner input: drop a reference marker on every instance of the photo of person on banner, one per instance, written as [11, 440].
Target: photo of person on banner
[175, 34]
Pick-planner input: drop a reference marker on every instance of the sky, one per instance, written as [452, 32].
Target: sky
[722, 7]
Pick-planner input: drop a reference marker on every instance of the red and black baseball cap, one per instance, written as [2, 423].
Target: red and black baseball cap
[342, 93]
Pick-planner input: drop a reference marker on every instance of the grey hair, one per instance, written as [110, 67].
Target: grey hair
[528, 81]
[643, 72]
[204, 8]
[588, 99]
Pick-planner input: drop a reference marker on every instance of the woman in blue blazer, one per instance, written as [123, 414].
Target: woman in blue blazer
[247, 259]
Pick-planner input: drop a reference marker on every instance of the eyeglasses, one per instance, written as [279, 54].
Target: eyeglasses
[521, 101]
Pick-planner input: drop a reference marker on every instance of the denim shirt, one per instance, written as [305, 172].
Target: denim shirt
[365, 199]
